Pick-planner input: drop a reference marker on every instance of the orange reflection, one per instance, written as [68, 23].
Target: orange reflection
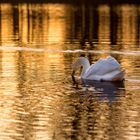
[129, 19]
[104, 29]
[6, 24]
[104, 24]
[56, 23]
[9, 120]
[48, 105]
[47, 26]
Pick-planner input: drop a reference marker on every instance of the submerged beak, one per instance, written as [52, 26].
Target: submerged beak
[73, 72]
[73, 78]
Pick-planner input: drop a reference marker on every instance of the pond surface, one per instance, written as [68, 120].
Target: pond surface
[38, 99]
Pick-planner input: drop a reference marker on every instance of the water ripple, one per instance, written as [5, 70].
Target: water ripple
[126, 52]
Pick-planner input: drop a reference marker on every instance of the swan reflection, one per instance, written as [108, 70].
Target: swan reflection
[103, 90]
[106, 90]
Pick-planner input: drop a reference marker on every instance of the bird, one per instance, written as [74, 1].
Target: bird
[105, 69]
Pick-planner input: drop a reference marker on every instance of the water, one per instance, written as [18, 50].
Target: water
[38, 99]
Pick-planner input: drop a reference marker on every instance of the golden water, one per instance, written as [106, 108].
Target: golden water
[38, 44]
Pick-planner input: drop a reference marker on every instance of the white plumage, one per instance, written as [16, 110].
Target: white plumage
[103, 70]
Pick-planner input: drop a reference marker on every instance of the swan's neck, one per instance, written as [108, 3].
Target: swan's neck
[85, 64]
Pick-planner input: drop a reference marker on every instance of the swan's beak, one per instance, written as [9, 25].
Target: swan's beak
[73, 78]
[73, 72]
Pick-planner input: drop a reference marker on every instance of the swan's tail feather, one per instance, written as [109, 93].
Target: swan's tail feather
[119, 76]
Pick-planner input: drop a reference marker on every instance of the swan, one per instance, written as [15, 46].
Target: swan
[107, 69]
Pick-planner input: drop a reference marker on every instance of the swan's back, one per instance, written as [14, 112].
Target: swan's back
[104, 69]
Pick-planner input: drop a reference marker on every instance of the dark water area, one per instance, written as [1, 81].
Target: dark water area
[75, 1]
[38, 44]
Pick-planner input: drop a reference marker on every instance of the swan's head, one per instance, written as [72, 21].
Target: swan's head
[76, 65]
[81, 61]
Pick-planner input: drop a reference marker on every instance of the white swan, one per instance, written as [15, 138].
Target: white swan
[103, 70]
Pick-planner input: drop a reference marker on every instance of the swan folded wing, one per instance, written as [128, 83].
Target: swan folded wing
[102, 67]
[113, 61]
[116, 75]
[94, 68]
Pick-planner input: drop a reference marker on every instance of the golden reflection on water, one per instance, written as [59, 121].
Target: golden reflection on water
[48, 25]
[10, 121]
[6, 23]
[129, 24]
[56, 23]
[38, 100]
[104, 26]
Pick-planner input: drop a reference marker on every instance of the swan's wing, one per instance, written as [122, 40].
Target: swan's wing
[117, 75]
[102, 67]
[113, 61]
[94, 68]
[120, 76]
